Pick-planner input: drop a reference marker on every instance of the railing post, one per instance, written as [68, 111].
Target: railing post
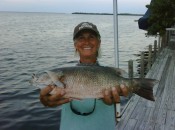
[150, 57]
[130, 69]
[155, 50]
[130, 73]
[142, 65]
[159, 45]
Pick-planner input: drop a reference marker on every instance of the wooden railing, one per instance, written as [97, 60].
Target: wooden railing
[147, 59]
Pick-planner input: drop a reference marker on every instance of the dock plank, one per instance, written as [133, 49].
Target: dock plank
[170, 121]
[141, 124]
[131, 124]
[159, 127]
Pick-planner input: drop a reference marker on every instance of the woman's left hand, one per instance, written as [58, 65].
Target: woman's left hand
[112, 96]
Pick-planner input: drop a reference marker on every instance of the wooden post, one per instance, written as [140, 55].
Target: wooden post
[150, 57]
[166, 38]
[142, 65]
[130, 69]
[131, 73]
[155, 50]
[159, 45]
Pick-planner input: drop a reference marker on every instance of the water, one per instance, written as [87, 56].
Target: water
[32, 42]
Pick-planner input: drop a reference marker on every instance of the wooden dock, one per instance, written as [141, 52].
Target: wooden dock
[142, 114]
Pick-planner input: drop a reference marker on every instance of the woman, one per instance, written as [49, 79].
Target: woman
[87, 114]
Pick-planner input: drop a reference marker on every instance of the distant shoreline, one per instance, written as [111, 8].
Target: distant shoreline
[107, 14]
[127, 14]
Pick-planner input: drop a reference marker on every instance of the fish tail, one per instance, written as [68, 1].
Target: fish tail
[144, 87]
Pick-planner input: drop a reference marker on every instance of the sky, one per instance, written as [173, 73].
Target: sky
[70, 6]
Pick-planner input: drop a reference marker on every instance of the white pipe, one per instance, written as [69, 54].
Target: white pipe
[116, 49]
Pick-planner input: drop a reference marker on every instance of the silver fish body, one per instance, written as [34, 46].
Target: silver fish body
[90, 81]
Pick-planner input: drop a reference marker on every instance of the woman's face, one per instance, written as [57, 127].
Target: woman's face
[87, 44]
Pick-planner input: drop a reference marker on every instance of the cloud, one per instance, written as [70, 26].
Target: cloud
[17, 1]
[69, 6]
[22, 2]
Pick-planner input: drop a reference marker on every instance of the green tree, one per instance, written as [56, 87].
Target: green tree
[162, 16]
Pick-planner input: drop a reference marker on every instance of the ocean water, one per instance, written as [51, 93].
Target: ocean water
[32, 42]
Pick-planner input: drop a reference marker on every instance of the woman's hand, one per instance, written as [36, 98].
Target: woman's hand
[113, 95]
[52, 100]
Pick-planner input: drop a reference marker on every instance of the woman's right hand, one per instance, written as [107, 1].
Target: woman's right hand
[53, 100]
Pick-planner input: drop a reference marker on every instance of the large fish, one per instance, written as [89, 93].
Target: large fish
[90, 81]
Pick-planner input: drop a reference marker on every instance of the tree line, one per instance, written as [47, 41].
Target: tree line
[162, 16]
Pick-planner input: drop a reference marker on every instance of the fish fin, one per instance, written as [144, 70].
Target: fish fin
[144, 87]
[33, 79]
[55, 77]
[121, 72]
